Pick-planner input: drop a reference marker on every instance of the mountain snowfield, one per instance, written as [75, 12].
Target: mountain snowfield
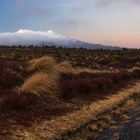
[28, 37]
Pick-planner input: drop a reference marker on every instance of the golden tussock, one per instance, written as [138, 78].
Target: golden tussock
[41, 85]
[65, 67]
[43, 64]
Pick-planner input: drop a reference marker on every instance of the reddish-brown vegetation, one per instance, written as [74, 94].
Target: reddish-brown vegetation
[12, 73]
[83, 85]
[20, 84]
[94, 85]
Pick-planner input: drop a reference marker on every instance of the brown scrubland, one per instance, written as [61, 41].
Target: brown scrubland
[44, 80]
[43, 88]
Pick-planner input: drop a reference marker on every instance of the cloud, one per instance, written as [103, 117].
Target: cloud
[28, 37]
[32, 9]
[111, 2]
[28, 11]
[65, 22]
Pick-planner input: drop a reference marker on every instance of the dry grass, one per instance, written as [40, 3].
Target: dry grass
[44, 84]
[41, 85]
[96, 71]
[129, 104]
[133, 69]
[47, 79]
[73, 121]
[65, 67]
[43, 64]
[39, 88]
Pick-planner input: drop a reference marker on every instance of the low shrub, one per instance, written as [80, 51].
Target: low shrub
[82, 85]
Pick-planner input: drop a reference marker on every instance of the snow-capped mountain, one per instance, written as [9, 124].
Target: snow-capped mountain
[28, 37]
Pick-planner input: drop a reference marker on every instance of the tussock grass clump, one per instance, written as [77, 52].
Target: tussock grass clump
[41, 85]
[44, 83]
[65, 67]
[43, 64]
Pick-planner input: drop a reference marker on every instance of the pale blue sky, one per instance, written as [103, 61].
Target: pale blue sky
[114, 22]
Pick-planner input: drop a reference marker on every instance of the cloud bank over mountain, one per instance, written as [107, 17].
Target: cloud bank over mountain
[27, 37]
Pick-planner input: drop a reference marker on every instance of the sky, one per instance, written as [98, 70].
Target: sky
[109, 22]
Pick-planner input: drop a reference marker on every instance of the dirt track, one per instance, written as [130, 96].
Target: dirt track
[124, 130]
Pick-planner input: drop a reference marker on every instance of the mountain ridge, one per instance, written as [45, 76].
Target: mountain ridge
[26, 37]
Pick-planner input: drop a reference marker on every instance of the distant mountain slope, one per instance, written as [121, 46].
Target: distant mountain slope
[29, 37]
